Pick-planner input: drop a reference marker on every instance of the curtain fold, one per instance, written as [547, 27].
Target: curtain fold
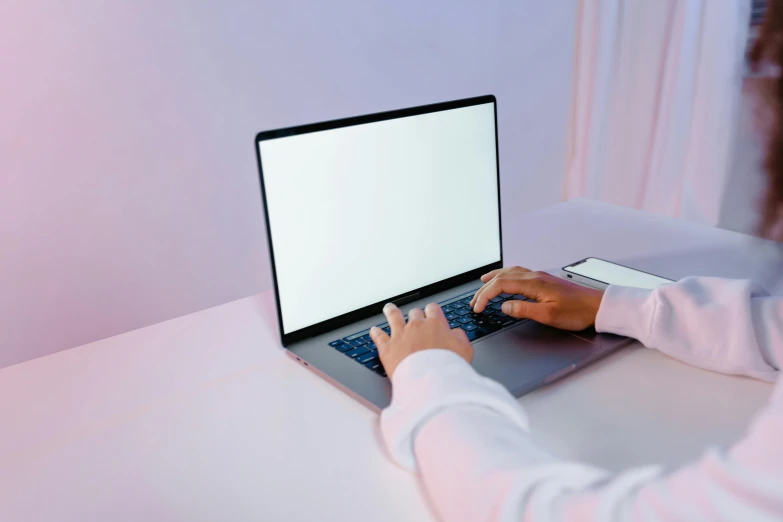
[655, 106]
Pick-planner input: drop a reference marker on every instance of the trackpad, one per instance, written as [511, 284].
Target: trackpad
[521, 358]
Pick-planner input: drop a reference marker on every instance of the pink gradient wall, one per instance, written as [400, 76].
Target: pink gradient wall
[128, 184]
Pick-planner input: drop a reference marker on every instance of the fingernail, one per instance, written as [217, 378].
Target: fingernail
[388, 305]
[373, 330]
[506, 307]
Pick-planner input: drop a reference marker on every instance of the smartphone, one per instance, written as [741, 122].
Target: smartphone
[598, 273]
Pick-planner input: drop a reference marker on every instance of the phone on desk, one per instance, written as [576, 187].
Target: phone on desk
[598, 273]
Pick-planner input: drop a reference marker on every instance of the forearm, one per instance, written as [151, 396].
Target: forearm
[468, 436]
[479, 463]
[478, 467]
[723, 325]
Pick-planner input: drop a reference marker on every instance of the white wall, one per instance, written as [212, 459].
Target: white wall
[128, 184]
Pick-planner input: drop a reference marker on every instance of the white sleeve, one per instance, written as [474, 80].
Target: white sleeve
[725, 325]
[468, 436]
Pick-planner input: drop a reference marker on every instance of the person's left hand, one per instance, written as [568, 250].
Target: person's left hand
[425, 329]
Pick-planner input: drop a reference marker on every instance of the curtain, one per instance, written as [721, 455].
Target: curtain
[655, 103]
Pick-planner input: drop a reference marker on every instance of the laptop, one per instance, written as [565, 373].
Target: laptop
[403, 207]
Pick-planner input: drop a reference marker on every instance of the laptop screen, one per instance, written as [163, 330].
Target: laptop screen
[359, 214]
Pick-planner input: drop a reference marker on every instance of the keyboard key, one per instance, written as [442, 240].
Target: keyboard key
[491, 326]
[460, 315]
[356, 352]
[481, 332]
[367, 357]
[473, 335]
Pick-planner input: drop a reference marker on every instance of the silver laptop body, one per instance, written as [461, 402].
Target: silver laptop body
[400, 206]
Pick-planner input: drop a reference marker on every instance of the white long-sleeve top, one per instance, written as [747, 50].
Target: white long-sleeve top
[468, 436]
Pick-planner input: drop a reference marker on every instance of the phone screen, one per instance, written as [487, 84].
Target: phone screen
[612, 274]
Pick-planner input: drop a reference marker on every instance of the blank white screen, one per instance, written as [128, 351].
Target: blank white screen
[612, 274]
[364, 213]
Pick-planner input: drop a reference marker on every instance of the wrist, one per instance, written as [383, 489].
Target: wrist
[594, 299]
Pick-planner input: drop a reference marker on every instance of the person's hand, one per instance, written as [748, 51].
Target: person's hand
[559, 303]
[425, 329]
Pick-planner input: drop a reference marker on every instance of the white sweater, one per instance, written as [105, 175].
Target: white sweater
[468, 436]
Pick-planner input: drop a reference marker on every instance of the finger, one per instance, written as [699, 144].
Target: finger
[379, 337]
[433, 310]
[395, 319]
[479, 291]
[525, 284]
[481, 298]
[526, 310]
[416, 314]
[518, 269]
[485, 293]
[460, 334]
[486, 278]
[462, 337]
[489, 275]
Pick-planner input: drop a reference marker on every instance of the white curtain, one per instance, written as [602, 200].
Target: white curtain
[655, 108]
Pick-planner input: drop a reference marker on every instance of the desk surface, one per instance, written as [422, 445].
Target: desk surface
[203, 417]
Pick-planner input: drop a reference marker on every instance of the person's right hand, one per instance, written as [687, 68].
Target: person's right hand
[426, 329]
[559, 303]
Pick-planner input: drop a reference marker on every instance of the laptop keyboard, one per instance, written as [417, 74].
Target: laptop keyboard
[360, 347]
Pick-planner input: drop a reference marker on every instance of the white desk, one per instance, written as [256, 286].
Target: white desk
[204, 418]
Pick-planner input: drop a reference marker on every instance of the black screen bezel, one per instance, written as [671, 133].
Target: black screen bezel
[375, 308]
